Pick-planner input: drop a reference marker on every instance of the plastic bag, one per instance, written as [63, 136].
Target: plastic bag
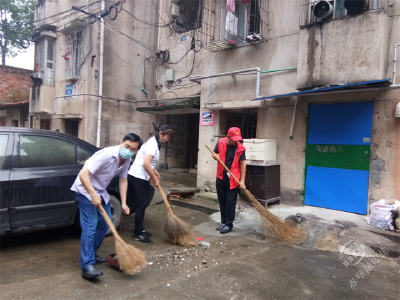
[381, 215]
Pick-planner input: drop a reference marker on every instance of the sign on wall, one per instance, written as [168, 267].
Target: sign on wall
[71, 90]
[207, 118]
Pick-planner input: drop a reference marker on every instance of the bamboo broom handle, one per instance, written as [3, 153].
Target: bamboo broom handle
[226, 168]
[165, 200]
[109, 223]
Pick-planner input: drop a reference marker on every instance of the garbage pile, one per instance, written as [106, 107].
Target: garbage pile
[385, 215]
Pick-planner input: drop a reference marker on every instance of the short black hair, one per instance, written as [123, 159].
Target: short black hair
[133, 138]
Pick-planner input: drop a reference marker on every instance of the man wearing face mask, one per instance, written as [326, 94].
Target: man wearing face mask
[90, 192]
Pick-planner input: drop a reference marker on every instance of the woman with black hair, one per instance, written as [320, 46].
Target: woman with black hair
[140, 174]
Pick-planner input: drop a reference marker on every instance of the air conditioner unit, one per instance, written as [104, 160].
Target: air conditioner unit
[323, 10]
[175, 10]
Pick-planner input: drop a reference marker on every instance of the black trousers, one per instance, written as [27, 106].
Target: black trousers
[138, 199]
[227, 201]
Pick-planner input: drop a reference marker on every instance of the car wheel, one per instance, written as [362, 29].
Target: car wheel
[116, 212]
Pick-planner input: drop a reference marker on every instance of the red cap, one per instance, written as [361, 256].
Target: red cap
[235, 134]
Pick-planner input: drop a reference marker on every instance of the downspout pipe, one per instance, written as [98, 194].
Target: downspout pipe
[100, 76]
[293, 118]
[394, 66]
[257, 69]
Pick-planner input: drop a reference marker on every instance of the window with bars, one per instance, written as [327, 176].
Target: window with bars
[245, 120]
[44, 60]
[315, 11]
[231, 23]
[73, 52]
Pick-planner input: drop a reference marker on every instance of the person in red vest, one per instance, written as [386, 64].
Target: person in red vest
[232, 153]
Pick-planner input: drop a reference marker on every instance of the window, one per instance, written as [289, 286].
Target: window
[44, 60]
[73, 52]
[242, 22]
[315, 11]
[189, 16]
[82, 155]
[72, 127]
[245, 120]
[14, 123]
[40, 151]
[45, 124]
[3, 147]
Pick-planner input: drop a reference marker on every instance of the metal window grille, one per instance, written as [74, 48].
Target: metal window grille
[225, 27]
[245, 120]
[73, 53]
[44, 60]
[316, 11]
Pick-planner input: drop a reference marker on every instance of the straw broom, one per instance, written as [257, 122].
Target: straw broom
[272, 225]
[177, 231]
[130, 259]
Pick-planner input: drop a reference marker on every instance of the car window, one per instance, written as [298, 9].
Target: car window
[40, 151]
[82, 155]
[3, 147]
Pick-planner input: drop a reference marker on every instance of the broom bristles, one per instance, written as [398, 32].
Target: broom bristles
[130, 259]
[273, 226]
[177, 231]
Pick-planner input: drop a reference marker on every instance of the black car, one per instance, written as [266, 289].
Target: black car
[37, 170]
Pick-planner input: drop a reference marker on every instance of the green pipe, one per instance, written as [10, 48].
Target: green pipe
[279, 70]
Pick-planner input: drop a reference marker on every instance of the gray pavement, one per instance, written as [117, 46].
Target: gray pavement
[238, 265]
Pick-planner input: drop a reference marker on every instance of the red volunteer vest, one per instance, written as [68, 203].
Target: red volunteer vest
[235, 168]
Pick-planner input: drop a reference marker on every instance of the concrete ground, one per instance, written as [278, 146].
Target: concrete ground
[238, 265]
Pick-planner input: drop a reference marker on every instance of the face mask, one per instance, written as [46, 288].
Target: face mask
[125, 153]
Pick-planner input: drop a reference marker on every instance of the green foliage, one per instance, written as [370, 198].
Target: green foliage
[16, 22]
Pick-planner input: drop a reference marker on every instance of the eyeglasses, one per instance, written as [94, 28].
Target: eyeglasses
[126, 146]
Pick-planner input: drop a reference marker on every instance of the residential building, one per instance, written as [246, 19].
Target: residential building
[316, 76]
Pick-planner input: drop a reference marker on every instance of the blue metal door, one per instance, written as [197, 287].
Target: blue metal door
[338, 156]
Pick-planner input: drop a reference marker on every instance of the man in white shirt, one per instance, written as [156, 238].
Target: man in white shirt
[90, 192]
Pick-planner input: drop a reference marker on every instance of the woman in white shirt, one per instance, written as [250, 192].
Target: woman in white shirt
[140, 174]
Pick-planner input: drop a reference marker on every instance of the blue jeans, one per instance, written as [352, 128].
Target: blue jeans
[94, 228]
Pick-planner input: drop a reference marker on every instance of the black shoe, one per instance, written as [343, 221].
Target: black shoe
[99, 259]
[220, 226]
[143, 236]
[91, 272]
[225, 229]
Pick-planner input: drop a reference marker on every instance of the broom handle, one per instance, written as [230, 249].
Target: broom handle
[109, 223]
[226, 168]
[165, 199]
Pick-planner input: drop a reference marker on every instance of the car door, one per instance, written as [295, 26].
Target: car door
[6, 147]
[44, 168]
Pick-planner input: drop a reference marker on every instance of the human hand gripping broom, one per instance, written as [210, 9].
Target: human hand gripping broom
[130, 259]
[272, 225]
[177, 231]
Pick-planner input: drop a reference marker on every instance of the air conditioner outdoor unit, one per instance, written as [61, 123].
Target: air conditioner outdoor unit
[323, 10]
